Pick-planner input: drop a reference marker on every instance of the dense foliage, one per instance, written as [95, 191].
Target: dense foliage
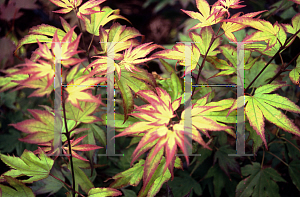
[103, 63]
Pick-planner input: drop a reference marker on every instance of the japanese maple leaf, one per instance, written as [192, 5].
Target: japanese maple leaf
[137, 55]
[67, 5]
[266, 31]
[86, 9]
[262, 105]
[230, 27]
[62, 50]
[38, 70]
[207, 16]
[77, 90]
[40, 128]
[157, 132]
[178, 53]
[82, 147]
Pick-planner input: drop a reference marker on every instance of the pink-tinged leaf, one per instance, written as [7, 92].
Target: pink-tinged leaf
[77, 90]
[86, 147]
[104, 192]
[40, 129]
[138, 127]
[86, 8]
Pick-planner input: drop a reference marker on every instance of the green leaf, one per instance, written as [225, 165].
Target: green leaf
[50, 184]
[81, 179]
[84, 116]
[181, 185]
[264, 78]
[226, 162]
[128, 193]
[135, 82]
[132, 176]
[119, 120]
[294, 171]
[292, 29]
[6, 82]
[28, 164]
[261, 182]
[101, 18]
[219, 179]
[204, 39]
[103, 192]
[175, 83]
[257, 141]
[263, 105]
[20, 189]
[295, 73]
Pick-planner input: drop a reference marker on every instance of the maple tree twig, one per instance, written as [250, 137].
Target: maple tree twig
[283, 68]
[269, 62]
[203, 61]
[290, 143]
[69, 143]
[278, 158]
[64, 183]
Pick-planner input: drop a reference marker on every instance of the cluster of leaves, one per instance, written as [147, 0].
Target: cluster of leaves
[152, 109]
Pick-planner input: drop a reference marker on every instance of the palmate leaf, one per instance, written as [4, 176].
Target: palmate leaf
[6, 82]
[50, 184]
[178, 53]
[220, 180]
[120, 36]
[41, 32]
[77, 90]
[84, 115]
[172, 85]
[132, 57]
[40, 129]
[262, 105]
[134, 81]
[28, 164]
[226, 162]
[292, 29]
[203, 41]
[20, 189]
[86, 8]
[101, 18]
[81, 147]
[261, 182]
[230, 27]
[207, 16]
[266, 31]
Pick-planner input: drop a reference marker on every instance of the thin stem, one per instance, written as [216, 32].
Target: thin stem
[290, 143]
[64, 183]
[278, 158]
[283, 68]
[269, 62]
[263, 158]
[69, 142]
[203, 61]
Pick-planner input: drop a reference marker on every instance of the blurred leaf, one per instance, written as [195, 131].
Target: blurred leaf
[294, 171]
[261, 182]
